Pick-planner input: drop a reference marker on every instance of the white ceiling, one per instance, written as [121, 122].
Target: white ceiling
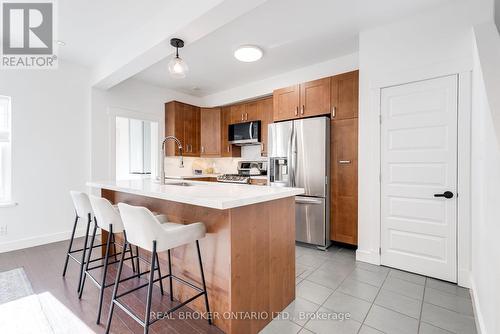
[292, 33]
[92, 28]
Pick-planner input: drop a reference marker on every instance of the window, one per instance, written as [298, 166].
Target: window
[136, 148]
[5, 146]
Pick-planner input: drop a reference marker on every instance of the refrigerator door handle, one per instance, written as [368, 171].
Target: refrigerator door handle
[294, 157]
[305, 200]
[290, 159]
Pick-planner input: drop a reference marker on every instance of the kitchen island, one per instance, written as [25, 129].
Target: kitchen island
[248, 253]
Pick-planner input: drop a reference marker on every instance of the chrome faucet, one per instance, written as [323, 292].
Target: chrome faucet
[162, 160]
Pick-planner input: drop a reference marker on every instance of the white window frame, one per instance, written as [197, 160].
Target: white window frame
[6, 158]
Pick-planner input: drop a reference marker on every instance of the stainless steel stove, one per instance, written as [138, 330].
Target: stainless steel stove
[245, 170]
[233, 178]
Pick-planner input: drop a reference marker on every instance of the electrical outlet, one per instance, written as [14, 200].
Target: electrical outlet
[3, 230]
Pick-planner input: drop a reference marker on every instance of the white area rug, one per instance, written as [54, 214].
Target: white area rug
[24, 312]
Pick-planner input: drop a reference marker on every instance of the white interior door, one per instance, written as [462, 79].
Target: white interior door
[418, 163]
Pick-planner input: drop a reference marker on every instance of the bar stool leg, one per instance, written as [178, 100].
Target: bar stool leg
[84, 251]
[82, 283]
[137, 262]
[70, 246]
[159, 273]
[103, 282]
[115, 289]
[150, 289]
[170, 276]
[204, 285]
[114, 246]
[132, 258]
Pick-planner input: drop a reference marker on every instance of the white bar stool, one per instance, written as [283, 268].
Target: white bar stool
[107, 218]
[146, 231]
[83, 210]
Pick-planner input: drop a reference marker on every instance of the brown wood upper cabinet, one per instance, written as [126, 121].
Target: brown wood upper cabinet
[210, 135]
[238, 113]
[315, 98]
[227, 150]
[307, 99]
[344, 95]
[286, 103]
[182, 121]
[266, 112]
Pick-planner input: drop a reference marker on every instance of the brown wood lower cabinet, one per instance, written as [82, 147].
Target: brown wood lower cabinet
[344, 177]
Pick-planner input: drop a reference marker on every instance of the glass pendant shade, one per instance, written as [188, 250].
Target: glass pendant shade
[177, 67]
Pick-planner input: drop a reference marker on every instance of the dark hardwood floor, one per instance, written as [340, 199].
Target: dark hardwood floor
[43, 266]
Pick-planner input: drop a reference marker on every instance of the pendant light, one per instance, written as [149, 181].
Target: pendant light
[177, 67]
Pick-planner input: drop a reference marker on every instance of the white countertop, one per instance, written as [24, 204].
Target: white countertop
[191, 176]
[207, 194]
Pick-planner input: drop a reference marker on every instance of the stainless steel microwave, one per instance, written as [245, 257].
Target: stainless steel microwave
[244, 133]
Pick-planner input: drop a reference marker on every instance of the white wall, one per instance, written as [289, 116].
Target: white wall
[50, 152]
[428, 45]
[134, 97]
[264, 87]
[486, 181]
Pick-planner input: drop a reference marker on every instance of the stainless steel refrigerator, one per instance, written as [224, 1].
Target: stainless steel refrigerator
[299, 156]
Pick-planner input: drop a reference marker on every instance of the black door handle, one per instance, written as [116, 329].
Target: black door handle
[446, 194]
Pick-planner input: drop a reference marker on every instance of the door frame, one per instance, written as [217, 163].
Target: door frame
[113, 113]
[369, 250]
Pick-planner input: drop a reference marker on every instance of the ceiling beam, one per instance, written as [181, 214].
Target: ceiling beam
[189, 20]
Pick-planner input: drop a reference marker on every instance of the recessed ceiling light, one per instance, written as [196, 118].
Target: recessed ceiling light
[248, 53]
[60, 43]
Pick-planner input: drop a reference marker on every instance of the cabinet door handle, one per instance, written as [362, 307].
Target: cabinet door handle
[297, 111]
[228, 149]
[334, 111]
[344, 162]
[302, 110]
[203, 149]
[246, 116]
[242, 117]
[262, 147]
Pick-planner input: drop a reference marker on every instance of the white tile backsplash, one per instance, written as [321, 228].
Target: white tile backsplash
[220, 165]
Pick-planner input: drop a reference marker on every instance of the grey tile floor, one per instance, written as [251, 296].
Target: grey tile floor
[378, 299]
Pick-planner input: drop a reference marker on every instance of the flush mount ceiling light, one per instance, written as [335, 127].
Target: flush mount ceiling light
[248, 53]
[177, 67]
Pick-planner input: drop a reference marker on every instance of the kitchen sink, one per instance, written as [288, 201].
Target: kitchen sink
[182, 184]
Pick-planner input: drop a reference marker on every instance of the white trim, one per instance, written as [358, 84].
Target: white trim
[372, 156]
[39, 240]
[372, 257]
[464, 228]
[478, 315]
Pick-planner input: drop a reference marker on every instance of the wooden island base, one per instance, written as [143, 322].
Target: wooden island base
[248, 257]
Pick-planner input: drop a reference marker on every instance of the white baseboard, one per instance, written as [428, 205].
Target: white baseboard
[368, 256]
[478, 316]
[464, 278]
[38, 240]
